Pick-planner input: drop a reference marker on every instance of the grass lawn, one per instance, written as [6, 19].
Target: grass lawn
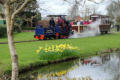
[27, 51]
[21, 37]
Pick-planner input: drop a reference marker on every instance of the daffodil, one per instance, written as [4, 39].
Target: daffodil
[49, 48]
[38, 51]
[57, 46]
[40, 48]
[57, 50]
[63, 46]
[61, 73]
[68, 45]
[53, 48]
[46, 50]
[40, 76]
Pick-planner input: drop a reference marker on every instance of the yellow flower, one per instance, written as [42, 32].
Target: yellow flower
[53, 48]
[40, 76]
[57, 50]
[57, 46]
[68, 46]
[49, 48]
[63, 46]
[46, 50]
[61, 73]
[53, 74]
[40, 48]
[60, 45]
[38, 51]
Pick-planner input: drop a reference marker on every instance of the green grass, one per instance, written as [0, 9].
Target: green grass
[21, 37]
[27, 51]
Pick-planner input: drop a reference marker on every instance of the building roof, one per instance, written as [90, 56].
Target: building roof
[55, 15]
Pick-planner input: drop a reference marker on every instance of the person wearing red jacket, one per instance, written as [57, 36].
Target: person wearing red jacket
[60, 21]
[85, 22]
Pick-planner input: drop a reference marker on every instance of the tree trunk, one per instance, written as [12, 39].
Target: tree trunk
[27, 24]
[14, 56]
[19, 27]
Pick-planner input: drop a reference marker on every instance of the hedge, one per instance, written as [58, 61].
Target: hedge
[3, 31]
[28, 28]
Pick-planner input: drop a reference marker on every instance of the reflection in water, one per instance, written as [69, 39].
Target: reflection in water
[105, 67]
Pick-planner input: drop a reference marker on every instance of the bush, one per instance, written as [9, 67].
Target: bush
[28, 28]
[16, 29]
[3, 31]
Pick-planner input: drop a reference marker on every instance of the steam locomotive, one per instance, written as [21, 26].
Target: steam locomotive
[60, 32]
[56, 32]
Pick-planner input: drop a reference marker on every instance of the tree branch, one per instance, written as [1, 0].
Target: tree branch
[19, 9]
[116, 2]
[2, 1]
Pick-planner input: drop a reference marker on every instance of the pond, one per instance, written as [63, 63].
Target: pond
[104, 67]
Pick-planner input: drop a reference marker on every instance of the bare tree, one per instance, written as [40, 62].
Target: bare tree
[30, 19]
[27, 15]
[79, 7]
[74, 9]
[97, 2]
[114, 10]
[31, 8]
[11, 9]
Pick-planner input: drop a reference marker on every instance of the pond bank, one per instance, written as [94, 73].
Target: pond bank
[73, 70]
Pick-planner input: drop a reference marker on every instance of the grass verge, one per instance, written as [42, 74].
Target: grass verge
[23, 36]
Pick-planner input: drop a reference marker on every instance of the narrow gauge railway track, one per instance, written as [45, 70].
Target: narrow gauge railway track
[28, 41]
[21, 41]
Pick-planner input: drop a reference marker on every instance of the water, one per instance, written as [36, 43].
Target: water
[105, 67]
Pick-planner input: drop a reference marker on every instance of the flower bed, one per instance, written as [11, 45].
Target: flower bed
[56, 52]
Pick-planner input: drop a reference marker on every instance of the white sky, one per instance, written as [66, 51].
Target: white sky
[61, 7]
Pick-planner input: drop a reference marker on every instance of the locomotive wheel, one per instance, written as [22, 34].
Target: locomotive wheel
[57, 37]
[45, 38]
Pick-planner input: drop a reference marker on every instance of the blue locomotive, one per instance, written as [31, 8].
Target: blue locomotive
[57, 32]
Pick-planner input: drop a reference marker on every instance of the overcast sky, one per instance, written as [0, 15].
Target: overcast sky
[60, 7]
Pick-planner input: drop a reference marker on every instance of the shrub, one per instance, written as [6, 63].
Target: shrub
[56, 52]
[3, 31]
[28, 28]
[17, 29]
